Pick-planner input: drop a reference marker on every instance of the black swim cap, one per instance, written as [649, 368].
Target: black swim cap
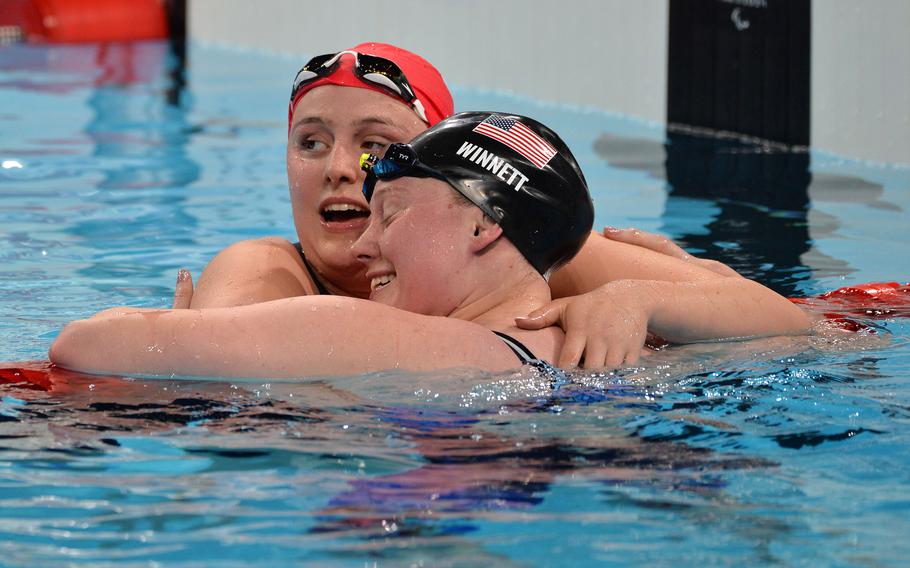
[518, 172]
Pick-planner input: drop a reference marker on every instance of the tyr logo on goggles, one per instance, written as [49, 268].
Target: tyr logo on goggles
[400, 160]
[371, 69]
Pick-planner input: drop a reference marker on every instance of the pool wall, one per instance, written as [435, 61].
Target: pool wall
[611, 55]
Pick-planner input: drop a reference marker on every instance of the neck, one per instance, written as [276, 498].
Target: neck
[497, 306]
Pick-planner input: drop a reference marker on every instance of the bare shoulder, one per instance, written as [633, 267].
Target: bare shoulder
[256, 251]
[252, 271]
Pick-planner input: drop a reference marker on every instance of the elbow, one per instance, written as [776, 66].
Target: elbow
[777, 314]
[78, 348]
[64, 351]
[802, 321]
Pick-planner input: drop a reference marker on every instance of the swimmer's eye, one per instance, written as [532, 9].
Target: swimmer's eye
[374, 146]
[312, 145]
[389, 217]
[386, 221]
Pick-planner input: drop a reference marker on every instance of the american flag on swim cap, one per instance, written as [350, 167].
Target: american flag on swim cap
[518, 137]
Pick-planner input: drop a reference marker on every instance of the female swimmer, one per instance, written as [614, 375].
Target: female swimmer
[465, 224]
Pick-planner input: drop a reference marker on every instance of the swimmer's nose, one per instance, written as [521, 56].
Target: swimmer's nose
[342, 167]
[366, 248]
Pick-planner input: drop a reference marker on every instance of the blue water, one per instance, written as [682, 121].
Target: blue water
[117, 170]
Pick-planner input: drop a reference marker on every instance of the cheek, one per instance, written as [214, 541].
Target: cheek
[426, 281]
[429, 246]
[303, 178]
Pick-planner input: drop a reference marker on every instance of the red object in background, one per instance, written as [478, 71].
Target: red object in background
[873, 300]
[75, 21]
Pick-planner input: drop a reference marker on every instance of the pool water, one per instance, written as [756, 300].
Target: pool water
[119, 167]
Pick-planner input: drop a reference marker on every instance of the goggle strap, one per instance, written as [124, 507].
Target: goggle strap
[418, 108]
[328, 64]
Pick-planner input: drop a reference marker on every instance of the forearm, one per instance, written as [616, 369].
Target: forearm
[294, 337]
[601, 261]
[285, 338]
[725, 308]
[122, 341]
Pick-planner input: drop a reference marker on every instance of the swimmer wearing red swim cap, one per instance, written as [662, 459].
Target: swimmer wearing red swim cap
[383, 68]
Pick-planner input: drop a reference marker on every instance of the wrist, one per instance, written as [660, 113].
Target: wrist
[648, 296]
[657, 302]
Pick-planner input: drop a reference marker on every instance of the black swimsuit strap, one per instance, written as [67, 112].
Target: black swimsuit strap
[523, 353]
[319, 285]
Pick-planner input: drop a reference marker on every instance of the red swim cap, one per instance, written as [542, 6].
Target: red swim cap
[423, 77]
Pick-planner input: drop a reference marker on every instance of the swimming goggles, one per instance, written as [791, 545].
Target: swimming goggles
[370, 69]
[400, 160]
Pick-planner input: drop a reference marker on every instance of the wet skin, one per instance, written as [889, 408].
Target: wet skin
[331, 127]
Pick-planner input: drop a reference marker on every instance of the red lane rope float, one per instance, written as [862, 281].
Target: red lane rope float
[873, 300]
[35, 375]
[74, 21]
[30, 376]
[44, 376]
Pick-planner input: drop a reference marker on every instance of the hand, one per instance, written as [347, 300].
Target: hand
[663, 245]
[607, 325]
[183, 292]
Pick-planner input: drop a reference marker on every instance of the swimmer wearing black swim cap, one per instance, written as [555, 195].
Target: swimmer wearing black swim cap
[516, 170]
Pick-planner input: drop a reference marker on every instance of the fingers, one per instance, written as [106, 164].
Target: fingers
[572, 349]
[183, 292]
[598, 355]
[617, 357]
[601, 356]
[595, 353]
[647, 240]
[543, 317]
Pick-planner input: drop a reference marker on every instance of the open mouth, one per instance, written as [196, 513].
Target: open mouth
[380, 282]
[343, 213]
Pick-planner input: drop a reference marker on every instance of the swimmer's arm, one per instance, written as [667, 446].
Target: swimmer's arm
[726, 308]
[607, 326]
[760, 310]
[661, 244]
[250, 272]
[297, 337]
[603, 260]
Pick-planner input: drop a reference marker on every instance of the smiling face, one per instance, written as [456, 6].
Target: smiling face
[331, 127]
[417, 246]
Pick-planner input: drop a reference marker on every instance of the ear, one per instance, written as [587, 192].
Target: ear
[486, 232]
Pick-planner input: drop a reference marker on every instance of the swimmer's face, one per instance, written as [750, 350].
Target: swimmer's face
[416, 244]
[331, 127]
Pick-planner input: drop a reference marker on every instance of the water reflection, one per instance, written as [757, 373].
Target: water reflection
[402, 467]
[384, 468]
[140, 139]
[746, 203]
[129, 161]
